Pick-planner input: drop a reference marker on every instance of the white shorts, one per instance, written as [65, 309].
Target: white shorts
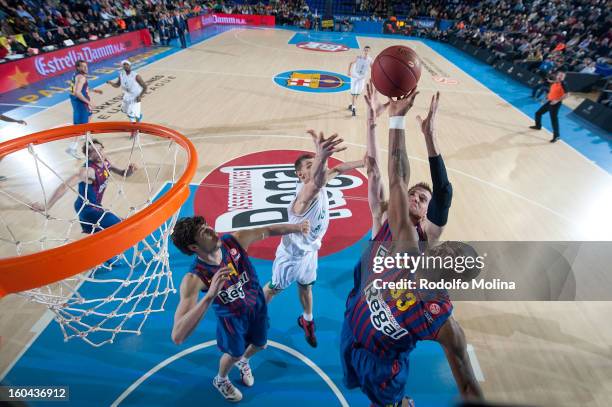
[288, 268]
[132, 109]
[357, 85]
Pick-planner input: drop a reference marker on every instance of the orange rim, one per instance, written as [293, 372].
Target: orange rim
[22, 273]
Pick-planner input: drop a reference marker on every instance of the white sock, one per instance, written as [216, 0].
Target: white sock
[307, 317]
[221, 378]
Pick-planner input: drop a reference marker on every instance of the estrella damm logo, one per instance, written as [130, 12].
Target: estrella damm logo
[313, 81]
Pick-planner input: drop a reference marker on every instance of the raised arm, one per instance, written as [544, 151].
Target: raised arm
[249, 236]
[128, 172]
[376, 190]
[342, 168]
[325, 148]
[189, 311]
[83, 174]
[442, 195]
[11, 120]
[452, 339]
[399, 172]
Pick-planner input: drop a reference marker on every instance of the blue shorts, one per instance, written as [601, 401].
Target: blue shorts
[382, 380]
[234, 334]
[80, 113]
[91, 215]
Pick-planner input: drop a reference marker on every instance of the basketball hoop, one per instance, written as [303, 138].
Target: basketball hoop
[129, 259]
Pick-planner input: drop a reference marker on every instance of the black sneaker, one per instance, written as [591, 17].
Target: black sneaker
[554, 139]
[309, 330]
[535, 127]
[354, 111]
[350, 107]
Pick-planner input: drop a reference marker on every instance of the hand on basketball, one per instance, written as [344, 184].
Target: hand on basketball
[216, 284]
[403, 104]
[375, 107]
[305, 227]
[427, 125]
[326, 147]
[22, 122]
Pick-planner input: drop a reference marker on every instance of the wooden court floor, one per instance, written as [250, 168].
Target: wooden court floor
[509, 184]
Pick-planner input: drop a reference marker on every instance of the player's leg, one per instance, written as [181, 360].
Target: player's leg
[357, 85]
[306, 277]
[133, 111]
[257, 338]
[231, 341]
[80, 115]
[283, 274]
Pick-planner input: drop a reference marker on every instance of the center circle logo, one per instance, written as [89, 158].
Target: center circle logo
[322, 46]
[256, 189]
[313, 81]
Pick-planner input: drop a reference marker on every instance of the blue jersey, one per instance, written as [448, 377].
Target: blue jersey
[94, 192]
[84, 89]
[389, 323]
[242, 293]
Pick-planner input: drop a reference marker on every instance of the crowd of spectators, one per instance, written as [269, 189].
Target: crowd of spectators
[34, 26]
[545, 36]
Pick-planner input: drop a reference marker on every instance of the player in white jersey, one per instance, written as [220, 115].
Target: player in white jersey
[297, 256]
[358, 71]
[133, 89]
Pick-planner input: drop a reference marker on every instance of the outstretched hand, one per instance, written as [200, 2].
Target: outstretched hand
[326, 146]
[375, 107]
[427, 125]
[403, 104]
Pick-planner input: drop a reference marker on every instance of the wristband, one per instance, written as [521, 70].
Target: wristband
[397, 122]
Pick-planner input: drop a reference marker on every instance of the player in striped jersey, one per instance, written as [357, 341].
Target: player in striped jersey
[428, 210]
[222, 270]
[383, 326]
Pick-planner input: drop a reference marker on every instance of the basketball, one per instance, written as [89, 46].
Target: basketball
[396, 71]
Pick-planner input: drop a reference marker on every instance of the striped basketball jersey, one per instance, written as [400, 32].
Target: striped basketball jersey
[84, 89]
[390, 322]
[241, 293]
[94, 192]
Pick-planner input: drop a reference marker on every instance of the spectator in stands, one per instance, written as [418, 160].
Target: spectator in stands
[16, 47]
[589, 66]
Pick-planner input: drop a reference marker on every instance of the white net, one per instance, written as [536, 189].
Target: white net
[117, 296]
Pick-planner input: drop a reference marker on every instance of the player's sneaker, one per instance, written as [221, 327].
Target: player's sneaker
[227, 390]
[245, 373]
[309, 330]
[350, 107]
[3, 178]
[354, 111]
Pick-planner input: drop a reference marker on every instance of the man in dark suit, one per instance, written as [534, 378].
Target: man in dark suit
[180, 27]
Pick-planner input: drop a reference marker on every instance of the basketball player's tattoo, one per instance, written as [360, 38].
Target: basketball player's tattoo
[399, 157]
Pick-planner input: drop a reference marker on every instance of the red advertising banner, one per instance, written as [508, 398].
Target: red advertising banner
[199, 22]
[29, 70]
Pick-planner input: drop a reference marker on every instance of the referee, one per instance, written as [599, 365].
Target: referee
[556, 94]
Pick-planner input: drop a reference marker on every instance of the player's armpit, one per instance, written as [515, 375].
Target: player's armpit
[452, 339]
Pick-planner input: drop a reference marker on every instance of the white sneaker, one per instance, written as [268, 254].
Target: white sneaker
[245, 373]
[227, 390]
